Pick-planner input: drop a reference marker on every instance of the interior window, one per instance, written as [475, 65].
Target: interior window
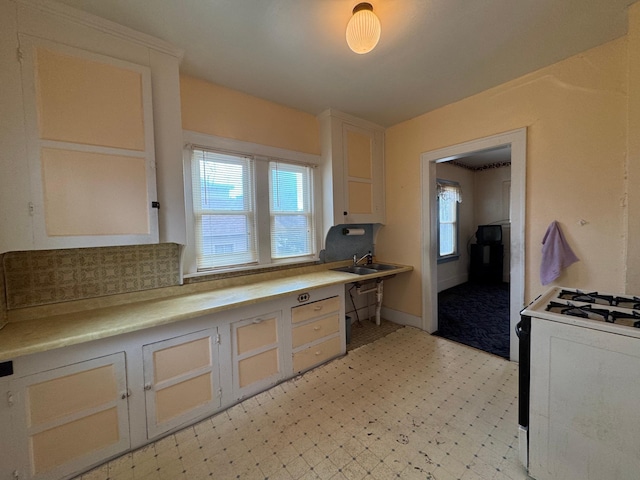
[449, 196]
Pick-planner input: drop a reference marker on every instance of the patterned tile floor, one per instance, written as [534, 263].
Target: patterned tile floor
[366, 331]
[409, 405]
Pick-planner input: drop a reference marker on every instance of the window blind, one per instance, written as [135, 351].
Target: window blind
[224, 209]
[291, 210]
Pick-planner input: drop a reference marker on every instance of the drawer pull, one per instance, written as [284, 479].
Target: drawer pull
[318, 352]
[317, 328]
[317, 308]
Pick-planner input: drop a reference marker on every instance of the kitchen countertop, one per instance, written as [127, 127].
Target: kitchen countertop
[48, 327]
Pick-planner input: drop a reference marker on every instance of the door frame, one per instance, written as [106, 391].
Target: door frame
[517, 139]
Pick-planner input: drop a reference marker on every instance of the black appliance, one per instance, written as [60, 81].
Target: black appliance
[486, 263]
[489, 235]
[523, 330]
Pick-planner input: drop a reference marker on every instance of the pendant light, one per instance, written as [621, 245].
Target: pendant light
[363, 29]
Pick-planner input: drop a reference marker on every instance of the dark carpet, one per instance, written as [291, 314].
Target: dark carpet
[476, 315]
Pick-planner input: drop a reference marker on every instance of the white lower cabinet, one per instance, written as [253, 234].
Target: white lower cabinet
[317, 333]
[70, 409]
[69, 418]
[257, 359]
[181, 380]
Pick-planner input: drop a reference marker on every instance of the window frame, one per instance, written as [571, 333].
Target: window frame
[307, 211]
[456, 253]
[262, 155]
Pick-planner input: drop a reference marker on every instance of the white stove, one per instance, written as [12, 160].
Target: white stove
[579, 385]
[581, 307]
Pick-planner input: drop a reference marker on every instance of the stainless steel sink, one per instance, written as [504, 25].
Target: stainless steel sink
[381, 266]
[365, 269]
[358, 270]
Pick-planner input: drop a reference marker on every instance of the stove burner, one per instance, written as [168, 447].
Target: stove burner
[582, 311]
[593, 297]
[628, 302]
[624, 318]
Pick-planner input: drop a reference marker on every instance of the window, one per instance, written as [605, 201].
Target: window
[223, 208]
[449, 195]
[292, 229]
[250, 210]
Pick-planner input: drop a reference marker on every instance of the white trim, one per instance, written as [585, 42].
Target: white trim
[152, 387]
[401, 318]
[242, 147]
[349, 119]
[444, 283]
[518, 141]
[24, 430]
[193, 139]
[71, 14]
[41, 239]
[81, 147]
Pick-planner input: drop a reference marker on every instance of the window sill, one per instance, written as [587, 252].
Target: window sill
[206, 276]
[447, 259]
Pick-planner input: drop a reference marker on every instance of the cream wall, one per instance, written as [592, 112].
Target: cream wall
[576, 117]
[632, 257]
[215, 110]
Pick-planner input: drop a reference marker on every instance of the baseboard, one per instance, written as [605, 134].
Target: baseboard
[452, 282]
[401, 318]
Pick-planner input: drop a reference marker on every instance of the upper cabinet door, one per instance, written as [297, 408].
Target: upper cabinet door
[352, 170]
[90, 147]
[362, 196]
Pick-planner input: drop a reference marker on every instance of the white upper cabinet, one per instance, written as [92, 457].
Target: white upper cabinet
[353, 169]
[90, 147]
[92, 109]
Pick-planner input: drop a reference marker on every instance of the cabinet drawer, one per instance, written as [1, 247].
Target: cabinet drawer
[315, 309]
[316, 354]
[315, 330]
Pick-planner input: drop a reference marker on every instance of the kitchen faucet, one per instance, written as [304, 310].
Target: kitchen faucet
[357, 260]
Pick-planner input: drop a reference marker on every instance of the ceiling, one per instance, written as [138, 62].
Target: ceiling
[431, 52]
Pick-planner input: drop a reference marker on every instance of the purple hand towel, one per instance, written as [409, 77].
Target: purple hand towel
[556, 254]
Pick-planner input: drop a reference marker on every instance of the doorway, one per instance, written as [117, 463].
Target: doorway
[516, 141]
[473, 249]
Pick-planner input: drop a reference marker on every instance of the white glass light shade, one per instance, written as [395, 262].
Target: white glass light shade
[363, 29]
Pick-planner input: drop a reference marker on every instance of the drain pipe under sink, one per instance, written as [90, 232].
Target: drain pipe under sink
[378, 290]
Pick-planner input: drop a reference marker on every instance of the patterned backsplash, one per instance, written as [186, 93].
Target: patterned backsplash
[42, 277]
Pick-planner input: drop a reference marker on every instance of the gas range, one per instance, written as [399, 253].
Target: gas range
[611, 311]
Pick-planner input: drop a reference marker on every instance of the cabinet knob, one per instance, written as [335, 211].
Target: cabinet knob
[318, 308]
[318, 352]
[147, 386]
[345, 213]
[316, 328]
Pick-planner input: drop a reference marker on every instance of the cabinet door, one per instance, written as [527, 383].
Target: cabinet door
[257, 354]
[90, 146]
[363, 186]
[181, 377]
[72, 417]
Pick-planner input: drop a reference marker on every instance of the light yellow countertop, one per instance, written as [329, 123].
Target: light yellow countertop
[48, 327]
